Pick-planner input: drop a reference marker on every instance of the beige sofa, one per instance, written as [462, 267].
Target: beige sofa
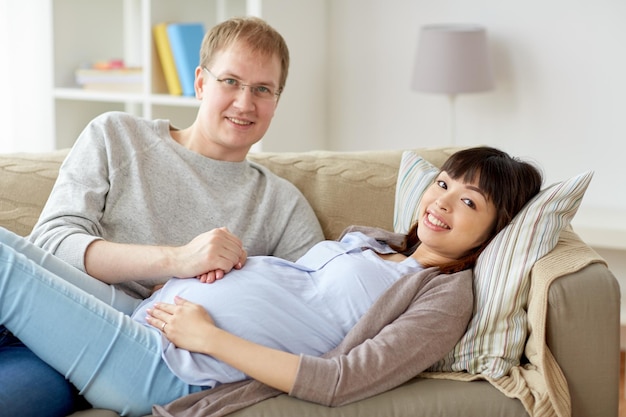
[358, 188]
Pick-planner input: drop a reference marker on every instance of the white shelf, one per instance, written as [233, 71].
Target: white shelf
[101, 96]
[601, 228]
[169, 100]
[104, 96]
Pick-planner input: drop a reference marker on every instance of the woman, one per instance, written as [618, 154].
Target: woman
[121, 364]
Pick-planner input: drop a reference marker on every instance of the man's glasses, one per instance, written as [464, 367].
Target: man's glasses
[231, 85]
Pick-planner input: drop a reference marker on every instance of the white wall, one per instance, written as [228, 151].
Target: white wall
[296, 127]
[560, 84]
[559, 67]
[25, 79]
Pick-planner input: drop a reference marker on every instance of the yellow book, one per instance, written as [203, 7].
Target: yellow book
[164, 51]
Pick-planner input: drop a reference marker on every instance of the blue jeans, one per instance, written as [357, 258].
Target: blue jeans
[28, 386]
[81, 328]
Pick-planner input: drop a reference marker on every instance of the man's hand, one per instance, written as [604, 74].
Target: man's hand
[214, 275]
[209, 256]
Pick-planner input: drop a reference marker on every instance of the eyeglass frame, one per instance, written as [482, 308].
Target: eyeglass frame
[241, 86]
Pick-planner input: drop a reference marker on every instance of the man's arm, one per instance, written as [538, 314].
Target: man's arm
[208, 256]
[300, 229]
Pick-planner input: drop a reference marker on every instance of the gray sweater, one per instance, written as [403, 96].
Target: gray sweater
[411, 326]
[127, 181]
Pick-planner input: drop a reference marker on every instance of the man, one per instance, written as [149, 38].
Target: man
[139, 201]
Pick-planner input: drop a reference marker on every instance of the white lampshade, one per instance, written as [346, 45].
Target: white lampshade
[452, 59]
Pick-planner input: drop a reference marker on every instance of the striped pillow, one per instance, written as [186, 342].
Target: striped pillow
[414, 177]
[496, 335]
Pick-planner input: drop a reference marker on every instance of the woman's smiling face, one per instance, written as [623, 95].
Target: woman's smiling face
[454, 218]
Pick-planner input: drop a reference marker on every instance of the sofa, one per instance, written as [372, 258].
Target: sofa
[582, 311]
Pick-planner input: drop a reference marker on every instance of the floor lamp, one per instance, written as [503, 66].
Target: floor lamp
[452, 59]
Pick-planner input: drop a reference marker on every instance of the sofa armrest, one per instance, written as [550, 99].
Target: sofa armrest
[583, 335]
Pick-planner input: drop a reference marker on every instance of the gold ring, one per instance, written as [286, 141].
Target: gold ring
[163, 327]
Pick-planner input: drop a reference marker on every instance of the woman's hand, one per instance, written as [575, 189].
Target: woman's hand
[187, 325]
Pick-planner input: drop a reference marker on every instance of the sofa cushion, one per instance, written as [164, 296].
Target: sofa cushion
[345, 188]
[26, 180]
[496, 335]
[416, 398]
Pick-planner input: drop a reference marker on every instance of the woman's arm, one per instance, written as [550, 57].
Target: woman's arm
[411, 326]
[190, 327]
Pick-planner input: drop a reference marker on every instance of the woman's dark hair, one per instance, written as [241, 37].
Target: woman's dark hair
[509, 183]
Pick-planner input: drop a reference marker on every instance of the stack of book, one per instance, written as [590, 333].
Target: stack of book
[116, 78]
[178, 48]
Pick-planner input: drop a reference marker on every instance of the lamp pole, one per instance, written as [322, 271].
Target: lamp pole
[452, 100]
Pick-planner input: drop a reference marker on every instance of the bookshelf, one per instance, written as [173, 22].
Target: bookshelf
[88, 31]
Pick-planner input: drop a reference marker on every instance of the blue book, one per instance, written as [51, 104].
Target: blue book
[185, 41]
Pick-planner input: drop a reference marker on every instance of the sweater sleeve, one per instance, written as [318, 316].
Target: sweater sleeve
[300, 231]
[70, 219]
[408, 329]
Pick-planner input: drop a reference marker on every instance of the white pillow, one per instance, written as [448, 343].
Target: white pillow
[496, 335]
